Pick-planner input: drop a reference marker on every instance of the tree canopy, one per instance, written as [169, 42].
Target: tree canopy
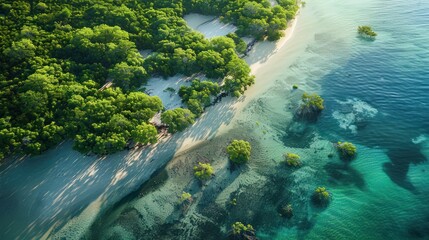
[242, 231]
[347, 150]
[311, 106]
[203, 171]
[321, 196]
[56, 56]
[239, 151]
[292, 159]
[367, 32]
[177, 119]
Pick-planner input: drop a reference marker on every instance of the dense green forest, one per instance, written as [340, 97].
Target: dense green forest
[56, 55]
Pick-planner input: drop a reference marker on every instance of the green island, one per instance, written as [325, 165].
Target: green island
[311, 107]
[321, 196]
[292, 159]
[72, 69]
[367, 32]
[347, 150]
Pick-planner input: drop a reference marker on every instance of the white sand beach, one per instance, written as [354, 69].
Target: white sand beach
[167, 89]
[209, 26]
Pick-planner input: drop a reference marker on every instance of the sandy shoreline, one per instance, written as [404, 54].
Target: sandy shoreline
[258, 63]
[237, 105]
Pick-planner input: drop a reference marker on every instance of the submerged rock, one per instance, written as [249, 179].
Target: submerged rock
[286, 211]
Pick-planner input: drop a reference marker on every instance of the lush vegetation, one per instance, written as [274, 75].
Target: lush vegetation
[185, 197]
[292, 159]
[253, 18]
[203, 171]
[199, 95]
[240, 44]
[367, 32]
[242, 231]
[55, 57]
[347, 150]
[239, 151]
[311, 106]
[177, 119]
[321, 196]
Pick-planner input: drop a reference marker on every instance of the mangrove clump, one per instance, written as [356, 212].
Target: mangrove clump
[185, 197]
[239, 151]
[367, 32]
[177, 119]
[321, 196]
[292, 159]
[241, 231]
[347, 150]
[203, 171]
[311, 106]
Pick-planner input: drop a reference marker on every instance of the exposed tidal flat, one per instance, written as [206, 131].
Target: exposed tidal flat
[376, 96]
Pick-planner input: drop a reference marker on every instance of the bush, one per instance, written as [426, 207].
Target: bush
[347, 150]
[321, 196]
[295, 86]
[239, 151]
[286, 211]
[311, 106]
[185, 197]
[241, 231]
[312, 101]
[367, 32]
[292, 159]
[203, 171]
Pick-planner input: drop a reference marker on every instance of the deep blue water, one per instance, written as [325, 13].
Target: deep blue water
[387, 83]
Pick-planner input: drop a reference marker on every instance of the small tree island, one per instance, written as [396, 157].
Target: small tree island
[347, 150]
[367, 32]
[292, 159]
[203, 171]
[185, 197]
[321, 196]
[311, 106]
[239, 151]
[240, 231]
